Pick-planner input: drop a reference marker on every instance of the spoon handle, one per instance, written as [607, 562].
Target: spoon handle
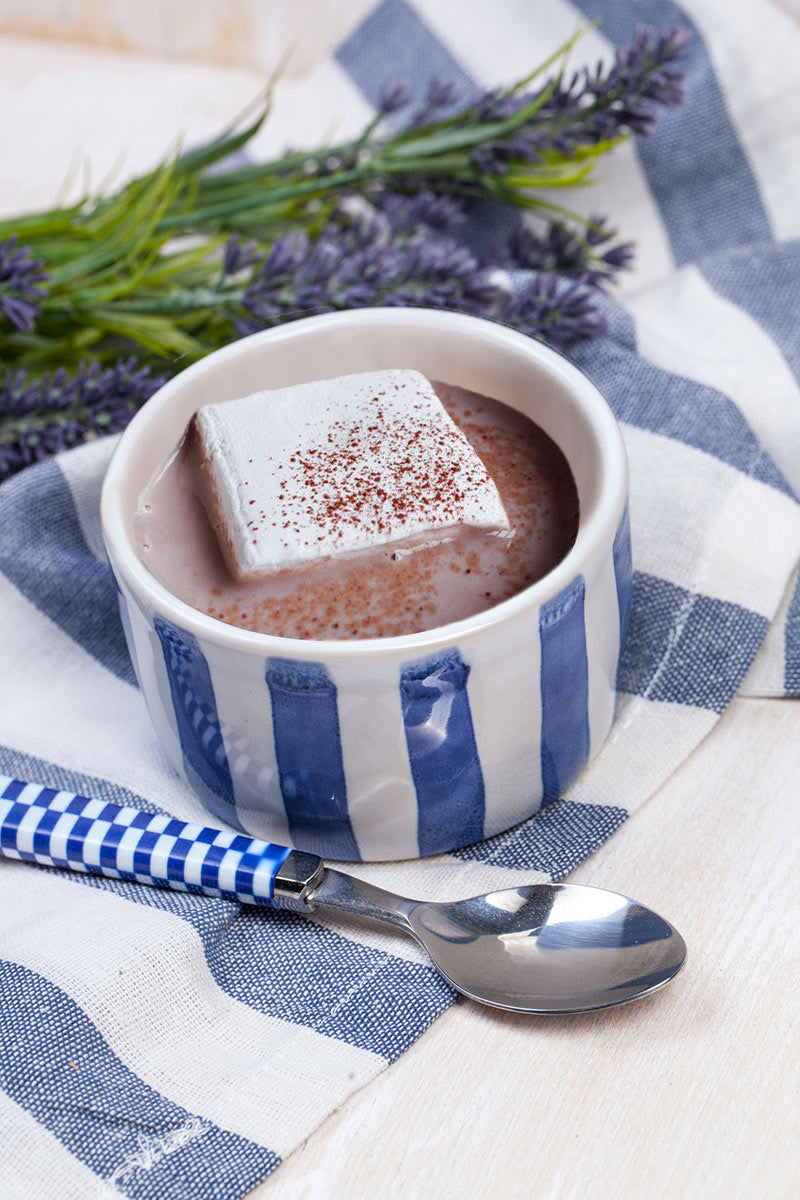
[62, 829]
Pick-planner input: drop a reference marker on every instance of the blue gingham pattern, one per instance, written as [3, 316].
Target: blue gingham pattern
[59, 829]
[150, 1032]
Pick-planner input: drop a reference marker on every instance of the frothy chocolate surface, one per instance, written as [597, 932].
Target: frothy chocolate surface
[386, 592]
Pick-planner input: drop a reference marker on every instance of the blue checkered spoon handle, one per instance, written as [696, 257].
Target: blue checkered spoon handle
[61, 829]
[545, 948]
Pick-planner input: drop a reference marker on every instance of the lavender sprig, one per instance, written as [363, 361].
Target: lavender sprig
[403, 260]
[58, 410]
[554, 309]
[591, 256]
[389, 257]
[120, 282]
[398, 250]
[594, 106]
[393, 96]
[22, 279]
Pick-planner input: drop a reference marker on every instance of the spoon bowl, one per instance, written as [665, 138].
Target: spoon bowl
[550, 948]
[546, 948]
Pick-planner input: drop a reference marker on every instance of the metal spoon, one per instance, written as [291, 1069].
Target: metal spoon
[547, 948]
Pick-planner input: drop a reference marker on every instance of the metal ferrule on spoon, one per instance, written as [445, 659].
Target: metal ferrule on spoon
[546, 948]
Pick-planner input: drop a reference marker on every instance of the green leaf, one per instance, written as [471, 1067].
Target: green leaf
[565, 174]
[426, 146]
[200, 217]
[561, 53]
[222, 147]
[157, 334]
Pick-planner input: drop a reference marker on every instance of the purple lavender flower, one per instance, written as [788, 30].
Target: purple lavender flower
[421, 209]
[440, 93]
[554, 309]
[364, 263]
[569, 252]
[393, 96]
[239, 255]
[392, 256]
[21, 284]
[42, 416]
[593, 105]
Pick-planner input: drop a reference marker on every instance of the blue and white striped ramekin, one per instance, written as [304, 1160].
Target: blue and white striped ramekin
[394, 747]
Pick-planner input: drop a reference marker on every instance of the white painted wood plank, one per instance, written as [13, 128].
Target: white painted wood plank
[688, 1094]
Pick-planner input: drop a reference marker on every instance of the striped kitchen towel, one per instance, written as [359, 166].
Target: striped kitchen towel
[168, 1046]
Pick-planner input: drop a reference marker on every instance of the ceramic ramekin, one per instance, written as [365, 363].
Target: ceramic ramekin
[395, 747]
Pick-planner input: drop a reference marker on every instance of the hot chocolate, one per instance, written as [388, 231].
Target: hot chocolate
[390, 590]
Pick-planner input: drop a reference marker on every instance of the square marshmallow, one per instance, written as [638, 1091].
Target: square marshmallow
[303, 473]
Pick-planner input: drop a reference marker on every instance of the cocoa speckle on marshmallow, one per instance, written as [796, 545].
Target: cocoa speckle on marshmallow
[335, 467]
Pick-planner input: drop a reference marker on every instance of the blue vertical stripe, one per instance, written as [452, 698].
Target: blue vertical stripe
[56, 1065]
[442, 752]
[565, 689]
[791, 680]
[764, 281]
[696, 168]
[308, 751]
[623, 574]
[196, 716]
[44, 554]
[670, 404]
[687, 648]
[393, 43]
[554, 841]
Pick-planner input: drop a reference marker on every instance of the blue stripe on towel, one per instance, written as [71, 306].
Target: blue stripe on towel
[251, 959]
[791, 645]
[393, 43]
[442, 752]
[672, 405]
[56, 1065]
[685, 647]
[565, 689]
[251, 952]
[623, 573]
[308, 751]
[696, 168]
[554, 841]
[44, 554]
[764, 281]
[196, 716]
[29, 766]
[791, 680]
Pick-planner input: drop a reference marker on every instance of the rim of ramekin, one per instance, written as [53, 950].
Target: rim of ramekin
[595, 534]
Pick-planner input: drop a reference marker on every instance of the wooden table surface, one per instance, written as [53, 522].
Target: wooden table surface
[692, 1092]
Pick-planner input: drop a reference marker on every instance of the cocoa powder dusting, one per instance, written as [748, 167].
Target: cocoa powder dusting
[387, 592]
